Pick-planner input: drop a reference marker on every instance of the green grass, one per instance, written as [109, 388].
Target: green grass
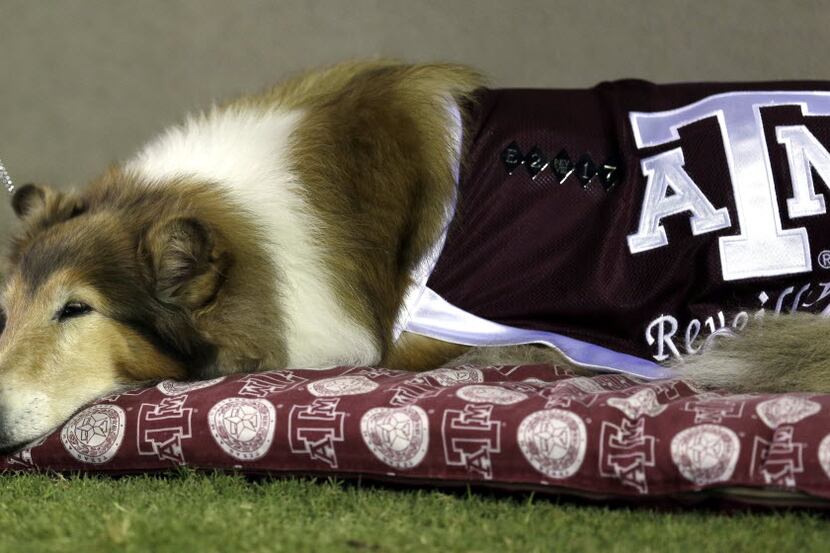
[194, 512]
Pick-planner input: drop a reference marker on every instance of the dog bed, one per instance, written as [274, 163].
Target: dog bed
[528, 428]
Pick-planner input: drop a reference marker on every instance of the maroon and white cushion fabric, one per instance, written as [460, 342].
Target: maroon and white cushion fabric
[524, 428]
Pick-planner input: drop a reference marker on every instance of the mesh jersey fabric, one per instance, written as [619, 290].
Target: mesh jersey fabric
[533, 246]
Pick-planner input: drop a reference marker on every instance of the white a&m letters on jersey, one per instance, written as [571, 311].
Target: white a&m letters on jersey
[804, 152]
[762, 248]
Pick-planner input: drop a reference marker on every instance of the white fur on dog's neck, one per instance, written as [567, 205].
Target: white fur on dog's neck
[246, 151]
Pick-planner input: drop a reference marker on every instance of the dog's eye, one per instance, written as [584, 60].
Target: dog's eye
[73, 309]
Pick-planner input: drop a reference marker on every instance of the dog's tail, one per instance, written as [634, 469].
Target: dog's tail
[784, 353]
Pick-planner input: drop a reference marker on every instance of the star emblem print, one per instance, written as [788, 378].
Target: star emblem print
[91, 427]
[395, 430]
[706, 450]
[241, 421]
[554, 439]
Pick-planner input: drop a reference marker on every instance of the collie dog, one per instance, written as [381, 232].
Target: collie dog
[290, 229]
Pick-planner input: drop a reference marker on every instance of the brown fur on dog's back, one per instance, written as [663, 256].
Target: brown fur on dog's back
[320, 86]
[376, 156]
[390, 188]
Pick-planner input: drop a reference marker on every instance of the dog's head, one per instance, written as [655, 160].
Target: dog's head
[95, 301]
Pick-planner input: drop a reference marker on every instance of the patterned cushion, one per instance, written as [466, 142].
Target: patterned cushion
[532, 427]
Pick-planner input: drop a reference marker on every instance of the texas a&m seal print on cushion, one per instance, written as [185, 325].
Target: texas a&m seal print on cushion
[533, 427]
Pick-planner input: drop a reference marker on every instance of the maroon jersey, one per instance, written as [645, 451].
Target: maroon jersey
[626, 223]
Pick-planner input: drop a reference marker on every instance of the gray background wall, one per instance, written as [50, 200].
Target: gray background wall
[84, 83]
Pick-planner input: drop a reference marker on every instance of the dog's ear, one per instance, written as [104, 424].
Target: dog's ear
[41, 206]
[188, 267]
[28, 199]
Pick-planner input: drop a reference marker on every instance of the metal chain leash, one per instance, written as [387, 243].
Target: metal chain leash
[5, 179]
